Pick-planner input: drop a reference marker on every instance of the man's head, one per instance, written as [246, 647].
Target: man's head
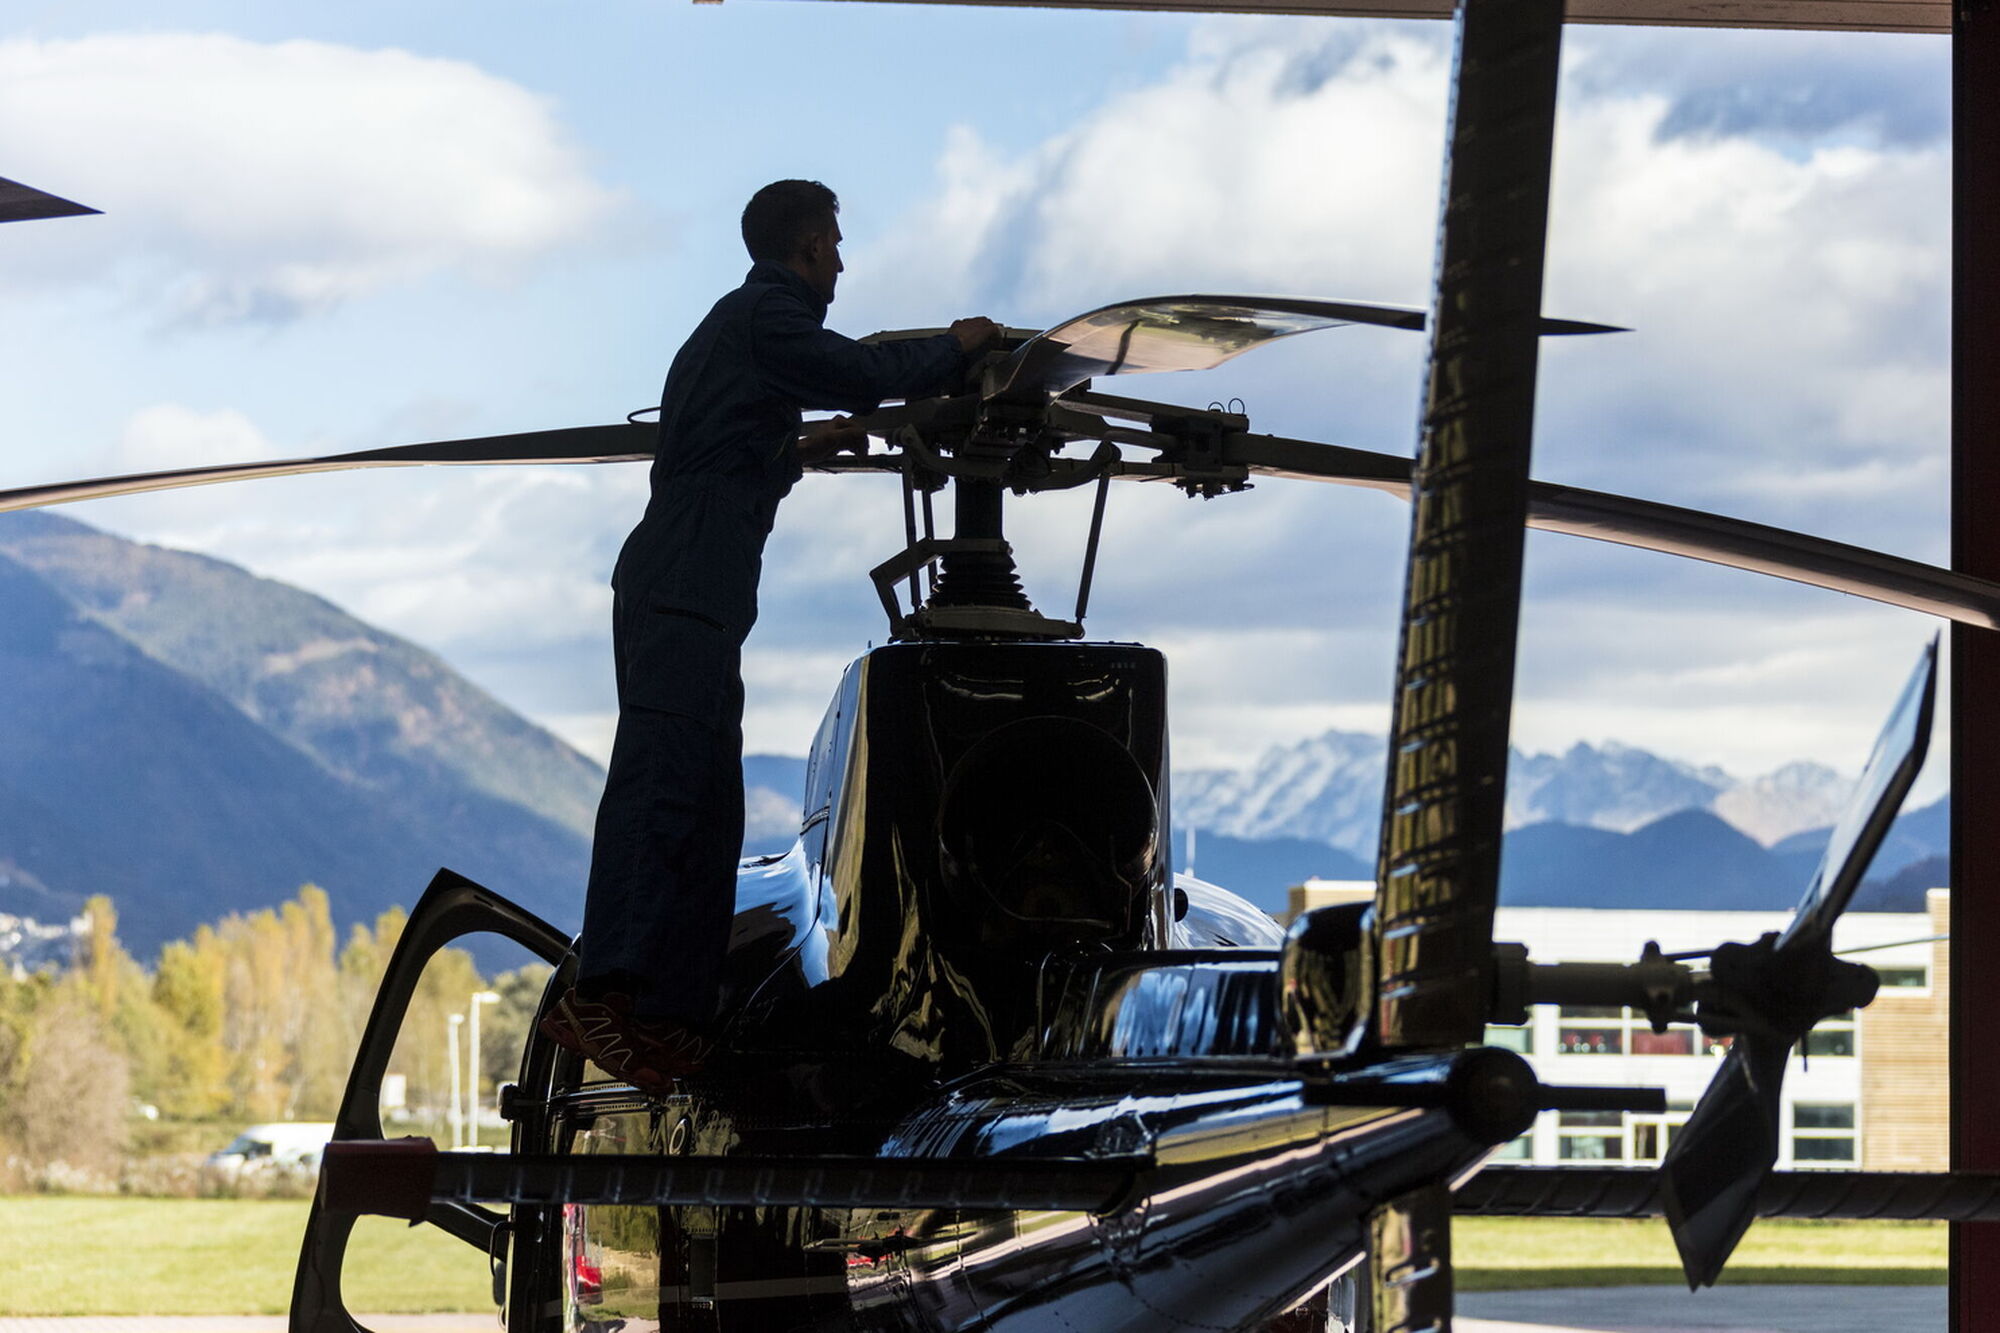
[794, 223]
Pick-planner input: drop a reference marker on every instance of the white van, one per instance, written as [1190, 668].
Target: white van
[287, 1147]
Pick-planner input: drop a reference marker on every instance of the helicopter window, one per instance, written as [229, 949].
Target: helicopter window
[1516, 1150]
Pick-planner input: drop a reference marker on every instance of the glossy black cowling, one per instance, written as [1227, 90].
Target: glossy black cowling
[1048, 833]
[971, 809]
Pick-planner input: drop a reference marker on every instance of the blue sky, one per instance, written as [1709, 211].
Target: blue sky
[336, 227]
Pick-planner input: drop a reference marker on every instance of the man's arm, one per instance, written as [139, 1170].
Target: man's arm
[821, 440]
[818, 368]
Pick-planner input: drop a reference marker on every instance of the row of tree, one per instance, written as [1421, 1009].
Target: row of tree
[255, 1018]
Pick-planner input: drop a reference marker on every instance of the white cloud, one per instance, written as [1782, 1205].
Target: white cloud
[1788, 292]
[1785, 269]
[250, 181]
[174, 435]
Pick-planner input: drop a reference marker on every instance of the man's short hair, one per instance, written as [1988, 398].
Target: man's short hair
[779, 218]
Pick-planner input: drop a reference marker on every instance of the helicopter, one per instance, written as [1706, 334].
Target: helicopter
[988, 1063]
[986, 1058]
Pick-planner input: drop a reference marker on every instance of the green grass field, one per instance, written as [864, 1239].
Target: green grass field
[75, 1256]
[1500, 1253]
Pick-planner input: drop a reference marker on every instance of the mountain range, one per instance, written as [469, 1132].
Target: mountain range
[194, 740]
[1596, 826]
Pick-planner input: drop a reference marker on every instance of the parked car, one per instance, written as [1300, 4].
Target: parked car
[283, 1150]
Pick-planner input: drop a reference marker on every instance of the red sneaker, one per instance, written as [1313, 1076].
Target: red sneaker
[648, 1053]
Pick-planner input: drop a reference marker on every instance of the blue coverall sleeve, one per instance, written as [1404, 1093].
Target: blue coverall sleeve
[820, 369]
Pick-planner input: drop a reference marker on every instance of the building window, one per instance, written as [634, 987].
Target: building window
[1674, 1041]
[1512, 1037]
[1590, 1136]
[1593, 1030]
[1591, 1148]
[1833, 1037]
[1904, 978]
[1822, 1115]
[1650, 1139]
[1515, 1150]
[1823, 1132]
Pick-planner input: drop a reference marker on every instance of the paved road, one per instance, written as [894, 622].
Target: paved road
[1789, 1309]
[1600, 1310]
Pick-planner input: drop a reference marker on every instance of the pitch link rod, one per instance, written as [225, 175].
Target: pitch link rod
[1563, 1191]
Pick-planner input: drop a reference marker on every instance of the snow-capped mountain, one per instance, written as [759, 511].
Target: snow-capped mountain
[1329, 789]
[1784, 801]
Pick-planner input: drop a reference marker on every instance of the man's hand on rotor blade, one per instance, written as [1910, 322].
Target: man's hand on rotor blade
[821, 440]
[973, 334]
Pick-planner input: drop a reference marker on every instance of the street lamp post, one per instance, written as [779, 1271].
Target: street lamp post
[479, 997]
[454, 1114]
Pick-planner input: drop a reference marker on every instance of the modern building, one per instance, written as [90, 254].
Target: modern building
[1867, 1090]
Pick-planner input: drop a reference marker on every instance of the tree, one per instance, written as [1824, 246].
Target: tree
[507, 1023]
[102, 967]
[68, 1087]
[187, 988]
[317, 1033]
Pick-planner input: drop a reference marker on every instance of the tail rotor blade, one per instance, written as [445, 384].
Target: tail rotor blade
[1891, 771]
[1771, 993]
[1719, 1158]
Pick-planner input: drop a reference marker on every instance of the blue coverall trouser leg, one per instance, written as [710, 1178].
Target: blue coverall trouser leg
[670, 825]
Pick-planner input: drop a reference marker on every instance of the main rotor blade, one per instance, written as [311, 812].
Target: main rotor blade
[24, 203]
[1719, 1159]
[1652, 526]
[619, 443]
[1188, 333]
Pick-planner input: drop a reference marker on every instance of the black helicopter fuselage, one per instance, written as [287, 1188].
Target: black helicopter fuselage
[976, 952]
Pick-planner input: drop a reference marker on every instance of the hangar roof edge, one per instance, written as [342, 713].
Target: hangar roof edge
[1932, 16]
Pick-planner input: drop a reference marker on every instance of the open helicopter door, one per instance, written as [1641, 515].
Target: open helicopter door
[424, 981]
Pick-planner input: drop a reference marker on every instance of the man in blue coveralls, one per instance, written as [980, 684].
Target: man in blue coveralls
[662, 888]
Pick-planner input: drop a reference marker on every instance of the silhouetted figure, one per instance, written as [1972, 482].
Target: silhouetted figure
[670, 826]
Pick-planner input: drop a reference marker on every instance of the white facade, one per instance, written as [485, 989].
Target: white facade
[1821, 1115]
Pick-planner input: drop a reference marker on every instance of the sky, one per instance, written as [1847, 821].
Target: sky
[336, 227]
